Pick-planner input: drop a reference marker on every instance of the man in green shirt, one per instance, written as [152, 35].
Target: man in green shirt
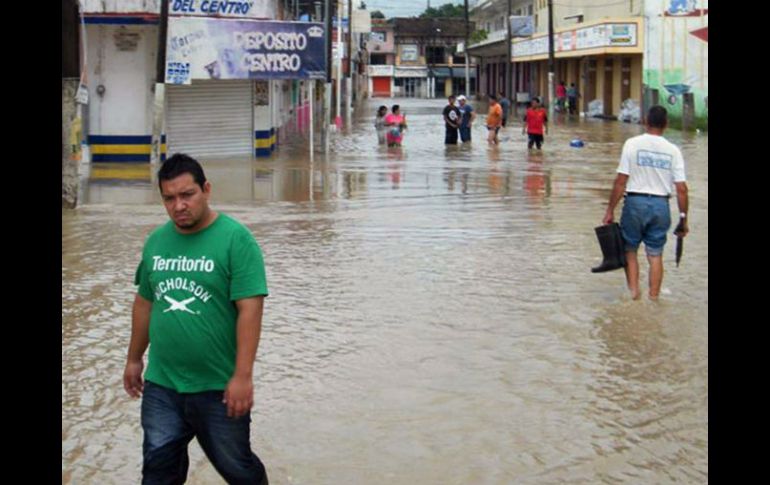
[201, 286]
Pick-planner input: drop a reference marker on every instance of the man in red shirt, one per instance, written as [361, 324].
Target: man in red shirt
[561, 96]
[536, 121]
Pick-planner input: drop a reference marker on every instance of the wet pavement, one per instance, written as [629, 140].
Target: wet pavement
[432, 317]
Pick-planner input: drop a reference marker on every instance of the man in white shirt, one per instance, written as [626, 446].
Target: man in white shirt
[650, 167]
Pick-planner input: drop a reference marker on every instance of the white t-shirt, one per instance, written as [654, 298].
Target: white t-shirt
[652, 164]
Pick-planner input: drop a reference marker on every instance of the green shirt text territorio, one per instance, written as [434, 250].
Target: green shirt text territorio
[193, 281]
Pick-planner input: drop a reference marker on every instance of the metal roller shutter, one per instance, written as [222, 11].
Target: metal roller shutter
[210, 119]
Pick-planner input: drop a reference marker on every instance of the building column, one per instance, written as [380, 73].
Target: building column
[617, 82]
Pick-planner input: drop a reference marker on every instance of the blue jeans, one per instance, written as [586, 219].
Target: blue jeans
[465, 133]
[170, 420]
[645, 219]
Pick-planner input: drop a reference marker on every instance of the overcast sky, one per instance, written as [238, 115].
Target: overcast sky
[404, 8]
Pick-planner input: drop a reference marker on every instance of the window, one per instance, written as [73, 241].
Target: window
[379, 59]
[435, 55]
[458, 60]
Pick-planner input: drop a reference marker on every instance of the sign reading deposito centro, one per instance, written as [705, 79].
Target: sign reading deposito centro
[206, 48]
[220, 8]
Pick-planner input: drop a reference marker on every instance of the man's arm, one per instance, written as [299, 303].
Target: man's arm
[239, 394]
[140, 339]
[617, 192]
[683, 202]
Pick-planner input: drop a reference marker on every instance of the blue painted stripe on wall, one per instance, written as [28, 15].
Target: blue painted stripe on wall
[120, 158]
[120, 21]
[263, 152]
[119, 140]
[262, 134]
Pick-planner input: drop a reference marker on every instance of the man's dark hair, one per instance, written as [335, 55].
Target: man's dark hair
[492, 96]
[657, 117]
[395, 108]
[179, 164]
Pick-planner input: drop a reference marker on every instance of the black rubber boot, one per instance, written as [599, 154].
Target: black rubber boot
[613, 248]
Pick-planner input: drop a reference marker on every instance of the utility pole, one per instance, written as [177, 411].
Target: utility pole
[349, 85]
[340, 45]
[327, 121]
[467, 55]
[160, 86]
[550, 59]
[508, 64]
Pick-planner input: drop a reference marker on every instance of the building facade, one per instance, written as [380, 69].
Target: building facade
[415, 57]
[632, 53]
[207, 118]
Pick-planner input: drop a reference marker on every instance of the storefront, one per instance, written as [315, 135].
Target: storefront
[218, 100]
[603, 59]
[381, 81]
[210, 118]
[411, 82]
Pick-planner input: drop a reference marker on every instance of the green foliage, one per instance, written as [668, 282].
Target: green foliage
[478, 36]
[444, 11]
[378, 15]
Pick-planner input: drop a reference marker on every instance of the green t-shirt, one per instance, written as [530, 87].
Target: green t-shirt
[193, 281]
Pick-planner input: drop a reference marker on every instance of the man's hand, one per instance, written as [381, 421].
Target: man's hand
[609, 218]
[681, 229]
[132, 378]
[239, 396]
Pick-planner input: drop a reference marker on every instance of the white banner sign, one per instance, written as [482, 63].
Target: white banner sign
[605, 35]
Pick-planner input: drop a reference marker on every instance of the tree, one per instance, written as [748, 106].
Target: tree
[444, 11]
[378, 15]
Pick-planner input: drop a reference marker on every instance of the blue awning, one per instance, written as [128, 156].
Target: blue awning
[441, 71]
[453, 72]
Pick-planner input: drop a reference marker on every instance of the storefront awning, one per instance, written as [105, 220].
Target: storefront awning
[454, 72]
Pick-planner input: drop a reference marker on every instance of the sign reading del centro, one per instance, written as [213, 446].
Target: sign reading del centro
[235, 8]
[208, 48]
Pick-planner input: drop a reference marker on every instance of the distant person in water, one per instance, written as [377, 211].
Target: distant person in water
[535, 124]
[379, 124]
[396, 125]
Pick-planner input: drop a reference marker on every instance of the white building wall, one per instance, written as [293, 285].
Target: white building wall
[125, 108]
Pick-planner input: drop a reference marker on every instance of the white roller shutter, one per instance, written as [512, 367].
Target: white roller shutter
[210, 119]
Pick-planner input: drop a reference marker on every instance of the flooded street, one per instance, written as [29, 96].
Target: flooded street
[432, 316]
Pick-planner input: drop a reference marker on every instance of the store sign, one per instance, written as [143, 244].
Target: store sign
[409, 53]
[220, 8]
[377, 37]
[205, 48]
[381, 71]
[596, 36]
[411, 72]
[521, 26]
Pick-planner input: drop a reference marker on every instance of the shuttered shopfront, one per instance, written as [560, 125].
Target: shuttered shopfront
[210, 119]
